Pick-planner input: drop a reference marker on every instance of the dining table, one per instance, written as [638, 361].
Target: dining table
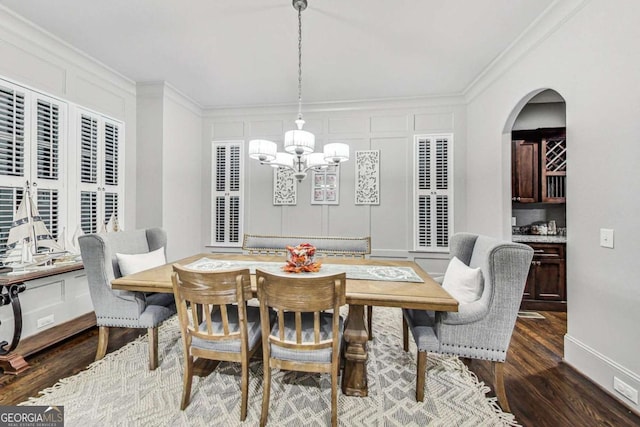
[374, 282]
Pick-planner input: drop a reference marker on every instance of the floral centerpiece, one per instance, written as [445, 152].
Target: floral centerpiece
[301, 259]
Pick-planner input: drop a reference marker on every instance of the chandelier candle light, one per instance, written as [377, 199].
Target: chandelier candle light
[298, 143]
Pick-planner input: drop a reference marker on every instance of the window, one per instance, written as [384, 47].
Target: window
[434, 192]
[227, 168]
[100, 187]
[32, 148]
[70, 159]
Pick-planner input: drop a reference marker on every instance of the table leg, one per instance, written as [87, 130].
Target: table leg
[354, 377]
[13, 363]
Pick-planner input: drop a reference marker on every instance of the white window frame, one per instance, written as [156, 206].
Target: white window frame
[227, 194]
[100, 188]
[433, 193]
[67, 183]
[30, 146]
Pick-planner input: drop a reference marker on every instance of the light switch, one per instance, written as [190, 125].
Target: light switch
[606, 238]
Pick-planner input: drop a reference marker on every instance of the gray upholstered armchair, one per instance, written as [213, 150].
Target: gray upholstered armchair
[115, 308]
[480, 329]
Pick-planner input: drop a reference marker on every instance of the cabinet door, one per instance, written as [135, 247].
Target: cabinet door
[525, 164]
[550, 280]
[530, 285]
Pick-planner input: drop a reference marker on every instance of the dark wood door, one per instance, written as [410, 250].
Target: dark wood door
[525, 177]
[530, 285]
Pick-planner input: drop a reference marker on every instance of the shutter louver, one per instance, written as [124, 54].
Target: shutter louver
[221, 168]
[89, 211]
[424, 160]
[424, 221]
[48, 139]
[442, 221]
[48, 206]
[442, 167]
[9, 200]
[11, 132]
[234, 168]
[110, 206]
[89, 149]
[111, 139]
[220, 219]
[234, 219]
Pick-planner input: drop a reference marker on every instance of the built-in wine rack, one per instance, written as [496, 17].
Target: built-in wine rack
[554, 171]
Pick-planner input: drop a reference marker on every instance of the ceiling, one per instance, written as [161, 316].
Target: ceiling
[224, 53]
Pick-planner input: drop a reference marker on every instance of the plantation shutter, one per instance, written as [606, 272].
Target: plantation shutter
[89, 149]
[9, 199]
[434, 193]
[12, 129]
[48, 139]
[227, 194]
[89, 211]
[101, 185]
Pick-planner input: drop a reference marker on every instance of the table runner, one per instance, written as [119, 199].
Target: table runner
[361, 272]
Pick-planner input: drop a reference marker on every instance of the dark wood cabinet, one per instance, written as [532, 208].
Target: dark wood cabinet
[546, 287]
[524, 176]
[539, 166]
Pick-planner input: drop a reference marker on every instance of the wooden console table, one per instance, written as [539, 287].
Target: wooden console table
[12, 353]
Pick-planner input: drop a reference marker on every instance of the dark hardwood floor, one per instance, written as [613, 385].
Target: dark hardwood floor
[542, 390]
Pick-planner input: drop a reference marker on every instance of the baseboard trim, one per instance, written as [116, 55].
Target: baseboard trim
[600, 369]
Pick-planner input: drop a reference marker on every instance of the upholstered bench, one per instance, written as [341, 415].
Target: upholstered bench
[325, 245]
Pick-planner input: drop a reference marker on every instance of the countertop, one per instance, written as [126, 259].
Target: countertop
[530, 238]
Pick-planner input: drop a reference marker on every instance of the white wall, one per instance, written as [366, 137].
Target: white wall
[593, 61]
[169, 173]
[182, 175]
[386, 126]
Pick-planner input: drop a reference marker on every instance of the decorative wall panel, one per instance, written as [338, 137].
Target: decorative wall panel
[368, 177]
[284, 187]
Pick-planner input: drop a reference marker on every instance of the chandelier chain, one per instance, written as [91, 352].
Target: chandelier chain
[299, 62]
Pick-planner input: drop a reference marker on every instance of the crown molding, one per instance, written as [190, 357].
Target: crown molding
[554, 17]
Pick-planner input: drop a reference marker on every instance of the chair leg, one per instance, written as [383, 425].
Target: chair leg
[244, 389]
[498, 378]
[103, 341]
[370, 321]
[405, 334]
[266, 385]
[421, 374]
[153, 348]
[334, 395]
[186, 381]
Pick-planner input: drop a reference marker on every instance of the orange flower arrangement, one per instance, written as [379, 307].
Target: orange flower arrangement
[300, 259]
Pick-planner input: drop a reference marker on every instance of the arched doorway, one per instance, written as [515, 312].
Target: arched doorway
[537, 144]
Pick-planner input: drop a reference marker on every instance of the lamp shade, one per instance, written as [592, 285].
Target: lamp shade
[263, 150]
[299, 141]
[336, 152]
[316, 160]
[282, 160]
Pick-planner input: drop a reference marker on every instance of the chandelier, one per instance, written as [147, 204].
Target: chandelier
[298, 143]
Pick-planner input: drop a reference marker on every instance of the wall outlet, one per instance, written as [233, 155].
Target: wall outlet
[44, 321]
[513, 221]
[606, 238]
[625, 389]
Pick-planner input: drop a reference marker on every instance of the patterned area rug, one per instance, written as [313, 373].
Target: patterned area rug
[120, 390]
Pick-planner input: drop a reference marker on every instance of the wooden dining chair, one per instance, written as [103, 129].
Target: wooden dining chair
[228, 329]
[304, 337]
